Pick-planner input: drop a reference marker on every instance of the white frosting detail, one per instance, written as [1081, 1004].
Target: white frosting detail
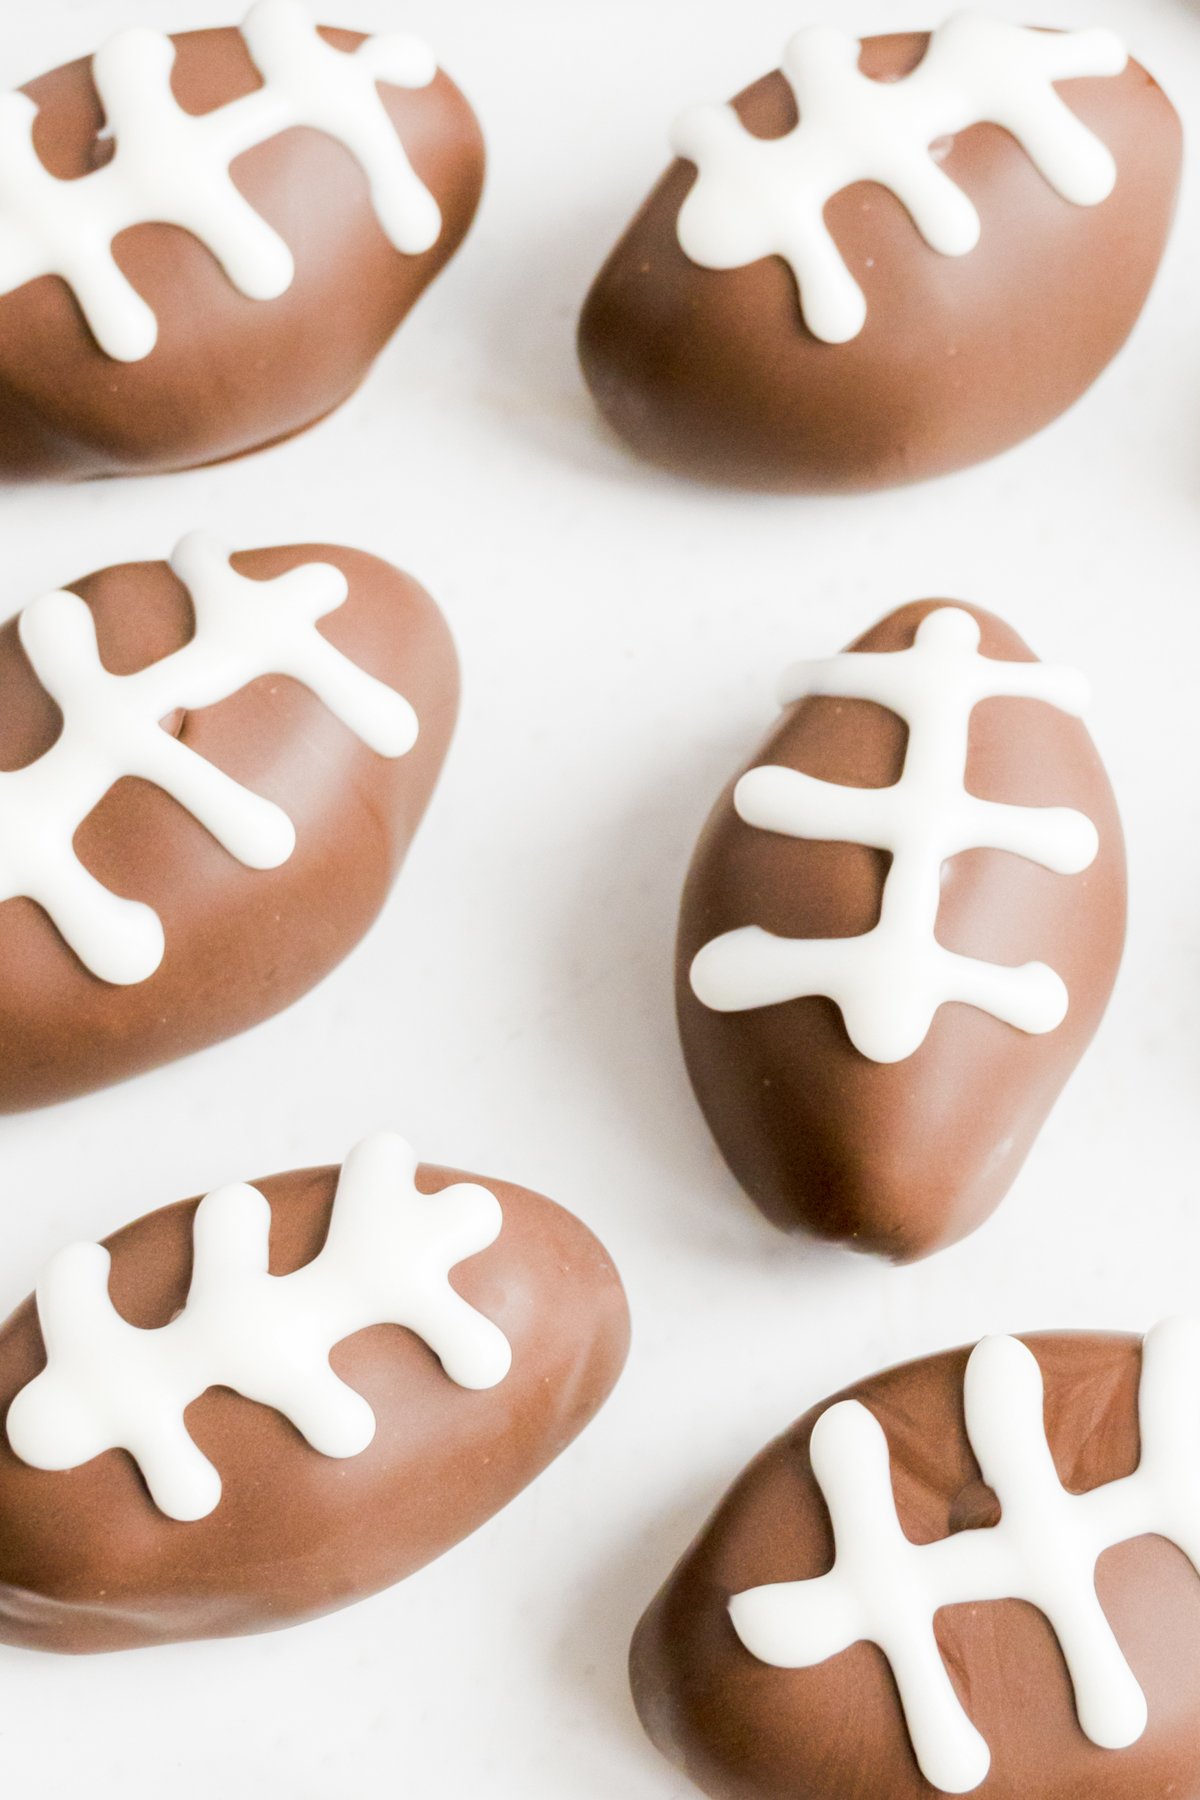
[171, 167]
[112, 727]
[890, 981]
[885, 1590]
[386, 1260]
[759, 197]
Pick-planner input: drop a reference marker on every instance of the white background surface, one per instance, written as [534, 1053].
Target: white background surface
[621, 634]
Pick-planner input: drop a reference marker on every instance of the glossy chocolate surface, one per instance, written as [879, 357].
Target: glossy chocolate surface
[240, 943]
[229, 374]
[900, 1158]
[713, 373]
[744, 1730]
[87, 1562]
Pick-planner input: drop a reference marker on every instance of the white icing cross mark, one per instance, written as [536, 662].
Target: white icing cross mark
[759, 197]
[171, 167]
[112, 727]
[885, 1590]
[890, 982]
[386, 1260]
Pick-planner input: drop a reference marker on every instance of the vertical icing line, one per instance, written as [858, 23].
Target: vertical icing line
[755, 197]
[173, 167]
[111, 728]
[289, 52]
[890, 982]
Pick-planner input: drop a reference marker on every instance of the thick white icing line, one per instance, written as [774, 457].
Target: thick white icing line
[890, 982]
[758, 197]
[172, 168]
[386, 1260]
[884, 1589]
[112, 727]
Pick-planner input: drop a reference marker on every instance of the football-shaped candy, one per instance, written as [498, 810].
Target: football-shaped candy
[247, 1411]
[886, 260]
[973, 1574]
[210, 772]
[900, 929]
[205, 241]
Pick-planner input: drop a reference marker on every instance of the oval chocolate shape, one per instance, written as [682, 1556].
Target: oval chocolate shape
[262, 211]
[206, 790]
[441, 1351]
[929, 358]
[882, 983]
[1059, 1468]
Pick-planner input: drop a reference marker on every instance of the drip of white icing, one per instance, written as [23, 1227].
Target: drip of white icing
[890, 981]
[171, 167]
[757, 197]
[885, 1590]
[111, 728]
[386, 1260]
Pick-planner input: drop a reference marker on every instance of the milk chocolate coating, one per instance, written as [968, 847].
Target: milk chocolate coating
[713, 372]
[900, 1158]
[228, 374]
[744, 1730]
[87, 1562]
[240, 943]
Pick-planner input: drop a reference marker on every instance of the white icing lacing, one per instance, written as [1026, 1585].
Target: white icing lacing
[112, 727]
[890, 981]
[885, 1590]
[386, 1261]
[759, 197]
[173, 168]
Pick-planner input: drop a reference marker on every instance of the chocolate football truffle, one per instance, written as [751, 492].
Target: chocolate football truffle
[974, 1574]
[247, 1411]
[886, 260]
[900, 930]
[210, 772]
[205, 241]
